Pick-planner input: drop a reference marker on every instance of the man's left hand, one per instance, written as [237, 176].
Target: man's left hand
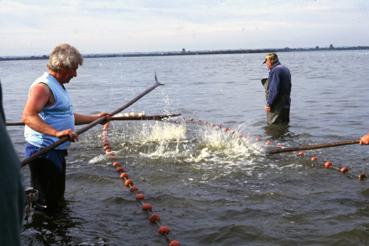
[267, 108]
[107, 117]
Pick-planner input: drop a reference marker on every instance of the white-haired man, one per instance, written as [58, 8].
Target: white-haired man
[48, 115]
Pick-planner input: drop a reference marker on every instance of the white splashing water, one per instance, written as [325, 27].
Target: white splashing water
[202, 147]
[98, 159]
[163, 132]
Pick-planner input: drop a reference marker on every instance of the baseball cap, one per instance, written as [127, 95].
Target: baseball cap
[272, 57]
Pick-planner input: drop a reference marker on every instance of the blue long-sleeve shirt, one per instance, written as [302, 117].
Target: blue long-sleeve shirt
[279, 84]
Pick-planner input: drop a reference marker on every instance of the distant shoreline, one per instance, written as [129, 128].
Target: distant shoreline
[200, 52]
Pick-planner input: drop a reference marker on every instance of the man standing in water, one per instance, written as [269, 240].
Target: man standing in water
[278, 91]
[48, 115]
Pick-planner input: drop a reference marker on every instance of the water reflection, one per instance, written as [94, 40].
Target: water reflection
[48, 228]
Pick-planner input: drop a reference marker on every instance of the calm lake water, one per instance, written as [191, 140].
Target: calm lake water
[211, 186]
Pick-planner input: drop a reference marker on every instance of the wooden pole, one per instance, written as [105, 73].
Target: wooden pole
[123, 118]
[313, 146]
[145, 117]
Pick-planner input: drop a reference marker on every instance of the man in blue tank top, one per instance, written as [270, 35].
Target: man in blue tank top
[48, 115]
[278, 91]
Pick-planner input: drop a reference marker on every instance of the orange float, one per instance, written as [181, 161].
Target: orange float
[124, 176]
[117, 164]
[154, 217]
[120, 169]
[140, 196]
[174, 243]
[128, 183]
[133, 188]
[164, 230]
[344, 169]
[301, 154]
[328, 164]
[147, 207]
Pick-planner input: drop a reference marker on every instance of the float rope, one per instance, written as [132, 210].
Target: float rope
[329, 165]
[326, 164]
[154, 218]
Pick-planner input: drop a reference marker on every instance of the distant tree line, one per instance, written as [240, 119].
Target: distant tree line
[200, 52]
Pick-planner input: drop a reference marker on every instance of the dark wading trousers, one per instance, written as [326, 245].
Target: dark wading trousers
[49, 181]
[279, 117]
[279, 114]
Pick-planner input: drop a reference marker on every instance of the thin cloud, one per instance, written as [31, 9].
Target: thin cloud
[34, 27]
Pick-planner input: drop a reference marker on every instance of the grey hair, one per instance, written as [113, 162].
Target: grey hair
[64, 56]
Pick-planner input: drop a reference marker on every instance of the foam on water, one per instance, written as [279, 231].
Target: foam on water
[163, 132]
[203, 147]
[98, 159]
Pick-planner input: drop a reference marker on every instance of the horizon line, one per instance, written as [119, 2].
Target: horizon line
[190, 52]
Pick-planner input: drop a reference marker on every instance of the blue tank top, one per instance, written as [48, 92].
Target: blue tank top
[59, 115]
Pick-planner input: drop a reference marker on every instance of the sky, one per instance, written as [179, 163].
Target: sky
[35, 27]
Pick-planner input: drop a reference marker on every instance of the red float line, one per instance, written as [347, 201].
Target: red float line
[326, 164]
[154, 218]
[339, 168]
